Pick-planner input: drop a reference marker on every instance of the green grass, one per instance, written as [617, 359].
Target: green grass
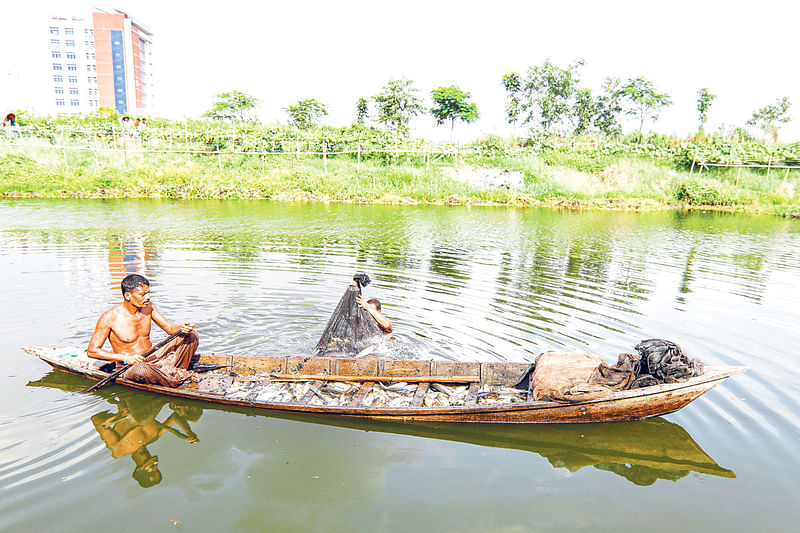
[563, 181]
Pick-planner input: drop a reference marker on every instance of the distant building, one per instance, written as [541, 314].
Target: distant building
[105, 61]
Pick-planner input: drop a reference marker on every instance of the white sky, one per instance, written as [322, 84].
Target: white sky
[336, 52]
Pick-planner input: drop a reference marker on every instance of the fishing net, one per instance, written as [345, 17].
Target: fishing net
[350, 329]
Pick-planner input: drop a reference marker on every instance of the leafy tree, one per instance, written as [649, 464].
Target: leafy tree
[549, 90]
[608, 108]
[513, 86]
[768, 117]
[362, 111]
[643, 99]
[233, 106]
[397, 104]
[584, 110]
[306, 113]
[451, 103]
[704, 101]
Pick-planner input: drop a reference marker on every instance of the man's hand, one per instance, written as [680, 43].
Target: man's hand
[131, 359]
[362, 303]
[187, 327]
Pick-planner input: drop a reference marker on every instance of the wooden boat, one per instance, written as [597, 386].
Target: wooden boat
[347, 387]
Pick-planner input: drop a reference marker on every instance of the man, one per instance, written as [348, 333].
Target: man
[373, 307]
[127, 328]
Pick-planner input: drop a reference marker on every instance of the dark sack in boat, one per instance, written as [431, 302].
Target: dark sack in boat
[350, 328]
[665, 362]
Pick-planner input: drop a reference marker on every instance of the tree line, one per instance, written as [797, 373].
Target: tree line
[546, 97]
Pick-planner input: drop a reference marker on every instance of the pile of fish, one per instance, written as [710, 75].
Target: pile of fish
[381, 394]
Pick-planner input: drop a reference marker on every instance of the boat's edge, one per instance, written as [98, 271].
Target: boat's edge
[618, 406]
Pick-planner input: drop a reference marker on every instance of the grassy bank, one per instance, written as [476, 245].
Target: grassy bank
[550, 179]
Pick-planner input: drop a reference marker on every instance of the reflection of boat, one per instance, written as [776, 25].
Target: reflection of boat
[641, 451]
[260, 380]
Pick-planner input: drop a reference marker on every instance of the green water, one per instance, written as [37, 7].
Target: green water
[463, 284]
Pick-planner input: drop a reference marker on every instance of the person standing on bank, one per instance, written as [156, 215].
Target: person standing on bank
[127, 328]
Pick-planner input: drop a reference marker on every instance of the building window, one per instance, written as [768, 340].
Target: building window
[70, 55]
[91, 68]
[56, 55]
[70, 43]
[90, 55]
[73, 79]
[56, 66]
[89, 44]
[58, 78]
[92, 79]
[59, 90]
[55, 42]
[75, 103]
[88, 32]
[53, 30]
[72, 66]
[69, 31]
[59, 101]
[73, 91]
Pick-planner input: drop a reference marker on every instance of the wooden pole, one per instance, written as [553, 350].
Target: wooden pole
[769, 165]
[738, 173]
[694, 160]
[325, 156]
[785, 176]
[186, 141]
[358, 160]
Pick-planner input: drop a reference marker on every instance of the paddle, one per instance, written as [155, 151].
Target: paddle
[117, 373]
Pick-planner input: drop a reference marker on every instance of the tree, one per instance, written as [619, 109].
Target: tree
[397, 104]
[704, 101]
[306, 113]
[549, 90]
[584, 110]
[362, 111]
[513, 86]
[451, 103]
[234, 106]
[768, 117]
[643, 99]
[608, 108]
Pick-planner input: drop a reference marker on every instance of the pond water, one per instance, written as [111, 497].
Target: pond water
[467, 284]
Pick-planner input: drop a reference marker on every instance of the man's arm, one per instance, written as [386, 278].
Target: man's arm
[170, 328]
[383, 322]
[101, 332]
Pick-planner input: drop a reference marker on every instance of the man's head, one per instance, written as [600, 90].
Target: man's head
[136, 290]
[374, 302]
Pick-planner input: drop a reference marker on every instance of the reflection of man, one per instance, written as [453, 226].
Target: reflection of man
[129, 431]
[127, 328]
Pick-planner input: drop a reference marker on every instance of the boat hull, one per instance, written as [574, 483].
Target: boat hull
[625, 405]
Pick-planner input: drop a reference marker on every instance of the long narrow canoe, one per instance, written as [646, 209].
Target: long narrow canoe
[433, 391]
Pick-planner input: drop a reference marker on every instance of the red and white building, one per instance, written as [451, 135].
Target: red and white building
[102, 61]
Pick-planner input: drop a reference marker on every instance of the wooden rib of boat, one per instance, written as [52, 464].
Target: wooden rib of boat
[489, 393]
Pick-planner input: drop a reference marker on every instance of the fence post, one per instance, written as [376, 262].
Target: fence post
[769, 165]
[186, 141]
[738, 173]
[785, 176]
[358, 159]
[325, 156]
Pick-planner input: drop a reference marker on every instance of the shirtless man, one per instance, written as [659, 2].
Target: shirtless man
[127, 328]
[373, 307]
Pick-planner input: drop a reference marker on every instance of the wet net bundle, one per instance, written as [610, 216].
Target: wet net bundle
[578, 376]
[350, 328]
